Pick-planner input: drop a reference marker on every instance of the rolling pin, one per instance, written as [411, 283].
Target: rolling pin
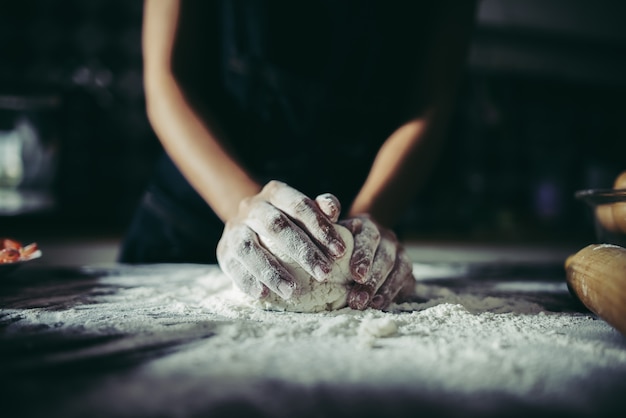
[597, 276]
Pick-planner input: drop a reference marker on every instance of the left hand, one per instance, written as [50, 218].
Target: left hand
[300, 227]
[380, 267]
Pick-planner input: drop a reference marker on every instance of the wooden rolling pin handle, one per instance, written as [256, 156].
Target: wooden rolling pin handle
[597, 276]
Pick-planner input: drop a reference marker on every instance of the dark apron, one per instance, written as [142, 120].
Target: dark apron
[311, 96]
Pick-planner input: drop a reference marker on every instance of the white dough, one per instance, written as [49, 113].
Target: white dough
[312, 296]
[378, 327]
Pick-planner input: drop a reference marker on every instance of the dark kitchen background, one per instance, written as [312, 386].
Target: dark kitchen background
[540, 114]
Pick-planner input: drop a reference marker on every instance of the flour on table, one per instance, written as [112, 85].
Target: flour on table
[483, 340]
[313, 296]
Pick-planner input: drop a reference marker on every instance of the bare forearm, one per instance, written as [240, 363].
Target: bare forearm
[400, 169]
[408, 155]
[195, 149]
[192, 143]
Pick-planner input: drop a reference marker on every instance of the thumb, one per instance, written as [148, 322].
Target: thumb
[329, 205]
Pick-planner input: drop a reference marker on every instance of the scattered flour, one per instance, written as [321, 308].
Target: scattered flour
[311, 296]
[456, 342]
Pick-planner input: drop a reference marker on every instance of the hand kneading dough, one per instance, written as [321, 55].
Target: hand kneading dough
[311, 295]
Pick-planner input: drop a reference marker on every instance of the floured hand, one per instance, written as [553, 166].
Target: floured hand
[298, 225]
[379, 265]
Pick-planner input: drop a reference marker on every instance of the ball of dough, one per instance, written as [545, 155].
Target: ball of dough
[312, 296]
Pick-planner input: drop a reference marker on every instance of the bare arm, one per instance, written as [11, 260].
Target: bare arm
[189, 140]
[379, 265]
[194, 144]
[407, 156]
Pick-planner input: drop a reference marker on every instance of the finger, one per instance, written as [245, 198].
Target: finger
[245, 281]
[384, 261]
[329, 205]
[408, 290]
[244, 247]
[360, 296]
[366, 241]
[305, 212]
[399, 279]
[240, 276]
[274, 225]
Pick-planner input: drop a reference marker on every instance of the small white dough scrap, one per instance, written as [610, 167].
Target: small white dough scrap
[312, 296]
[378, 327]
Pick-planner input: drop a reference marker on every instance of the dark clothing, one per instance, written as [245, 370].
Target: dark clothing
[165, 231]
[305, 93]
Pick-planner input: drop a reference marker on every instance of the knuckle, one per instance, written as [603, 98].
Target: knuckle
[277, 222]
[272, 186]
[371, 229]
[303, 206]
[357, 225]
[311, 257]
[246, 242]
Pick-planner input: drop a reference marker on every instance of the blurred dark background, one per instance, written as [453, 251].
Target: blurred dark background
[540, 114]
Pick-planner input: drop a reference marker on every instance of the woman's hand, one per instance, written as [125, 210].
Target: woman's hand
[380, 267]
[298, 225]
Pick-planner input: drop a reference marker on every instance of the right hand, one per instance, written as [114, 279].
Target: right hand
[380, 267]
[296, 224]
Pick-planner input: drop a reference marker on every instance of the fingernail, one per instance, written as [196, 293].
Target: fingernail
[321, 272]
[360, 300]
[377, 302]
[337, 248]
[362, 269]
[286, 289]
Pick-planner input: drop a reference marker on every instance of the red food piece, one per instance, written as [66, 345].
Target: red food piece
[12, 251]
[9, 255]
[10, 243]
